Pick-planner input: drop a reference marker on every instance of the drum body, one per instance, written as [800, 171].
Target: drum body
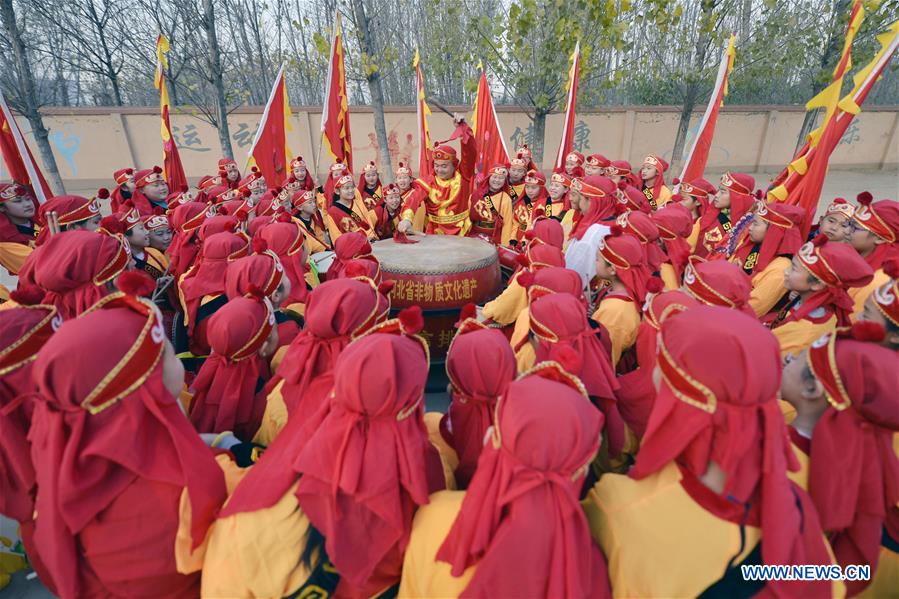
[441, 274]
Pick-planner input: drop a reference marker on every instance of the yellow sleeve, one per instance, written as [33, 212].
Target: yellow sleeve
[860, 294]
[669, 277]
[621, 319]
[664, 197]
[187, 560]
[798, 335]
[522, 328]
[13, 255]
[448, 456]
[885, 579]
[509, 223]
[256, 554]
[526, 357]
[423, 575]
[273, 419]
[508, 305]
[567, 223]
[694, 236]
[768, 287]
[333, 229]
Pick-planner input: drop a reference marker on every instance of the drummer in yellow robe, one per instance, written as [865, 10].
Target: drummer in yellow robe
[565, 206]
[765, 250]
[874, 233]
[844, 392]
[447, 192]
[506, 308]
[521, 507]
[348, 212]
[652, 174]
[695, 197]
[717, 495]
[305, 213]
[817, 280]
[491, 207]
[404, 180]
[518, 168]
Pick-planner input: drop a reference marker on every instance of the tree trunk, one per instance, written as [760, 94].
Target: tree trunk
[539, 134]
[683, 126]
[366, 42]
[215, 66]
[28, 96]
[828, 59]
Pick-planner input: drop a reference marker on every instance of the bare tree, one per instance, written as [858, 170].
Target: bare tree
[24, 96]
[216, 77]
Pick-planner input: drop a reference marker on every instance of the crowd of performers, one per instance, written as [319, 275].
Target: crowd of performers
[670, 387]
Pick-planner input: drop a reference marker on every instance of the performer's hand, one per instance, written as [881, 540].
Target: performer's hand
[405, 226]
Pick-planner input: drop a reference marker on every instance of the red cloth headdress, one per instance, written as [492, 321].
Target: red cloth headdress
[522, 505]
[718, 283]
[717, 403]
[600, 191]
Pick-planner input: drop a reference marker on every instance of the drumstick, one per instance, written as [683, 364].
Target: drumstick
[441, 107]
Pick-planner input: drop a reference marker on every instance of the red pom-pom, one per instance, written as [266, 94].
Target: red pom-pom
[891, 267]
[245, 193]
[819, 240]
[102, 193]
[757, 194]
[865, 198]
[157, 170]
[129, 171]
[400, 165]
[259, 245]
[241, 214]
[112, 225]
[865, 330]
[522, 261]
[567, 358]
[615, 230]
[675, 181]
[27, 295]
[655, 285]
[385, 287]
[411, 320]
[525, 278]
[255, 291]
[468, 311]
[622, 185]
[677, 198]
[136, 282]
[283, 217]
[254, 170]
[530, 234]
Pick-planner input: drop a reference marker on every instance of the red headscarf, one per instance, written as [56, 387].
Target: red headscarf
[882, 219]
[853, 469]
[622, 168]
[363, 473]
[548, 231]
[718, 283]
[641, 226]
[783, 237]
[349, 246]
[675, 224]
[600, 191]
[74, 267]
[637, 393]
[69, 210]
[103, 420]
[839, 267]
[740, 186]
[701, 190]
[186, 220]
[631, 198]
[208, 276]
[522, 505]
[220, 223]
[286, 240]
[225, 390]
[258, 275]
[627, 255]
[559, 323]
[480, 365]
[717, 402]
[23, 331]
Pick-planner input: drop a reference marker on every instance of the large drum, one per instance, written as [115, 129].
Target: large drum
[441, 274]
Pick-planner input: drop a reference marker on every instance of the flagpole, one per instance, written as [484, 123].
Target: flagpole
[36, 186]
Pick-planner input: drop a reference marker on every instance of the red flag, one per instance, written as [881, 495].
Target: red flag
[426, 148]
[17, 155]
[171, 161]
[694, 164]
[336, 112]
[269, 151]
[807, 189]
[567, 142]
[489, 139]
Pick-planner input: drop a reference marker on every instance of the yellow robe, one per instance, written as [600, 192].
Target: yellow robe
[797, 335]
[664, 197]
[622, 319]
[423, 575]
[363, 212]
[502, 204]
[658, 541]
[508, 305]
[693, 239]
[567, 225]
[669, 277]
[860, 294]
[768, 286]
[13, 255]
[274, 419]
